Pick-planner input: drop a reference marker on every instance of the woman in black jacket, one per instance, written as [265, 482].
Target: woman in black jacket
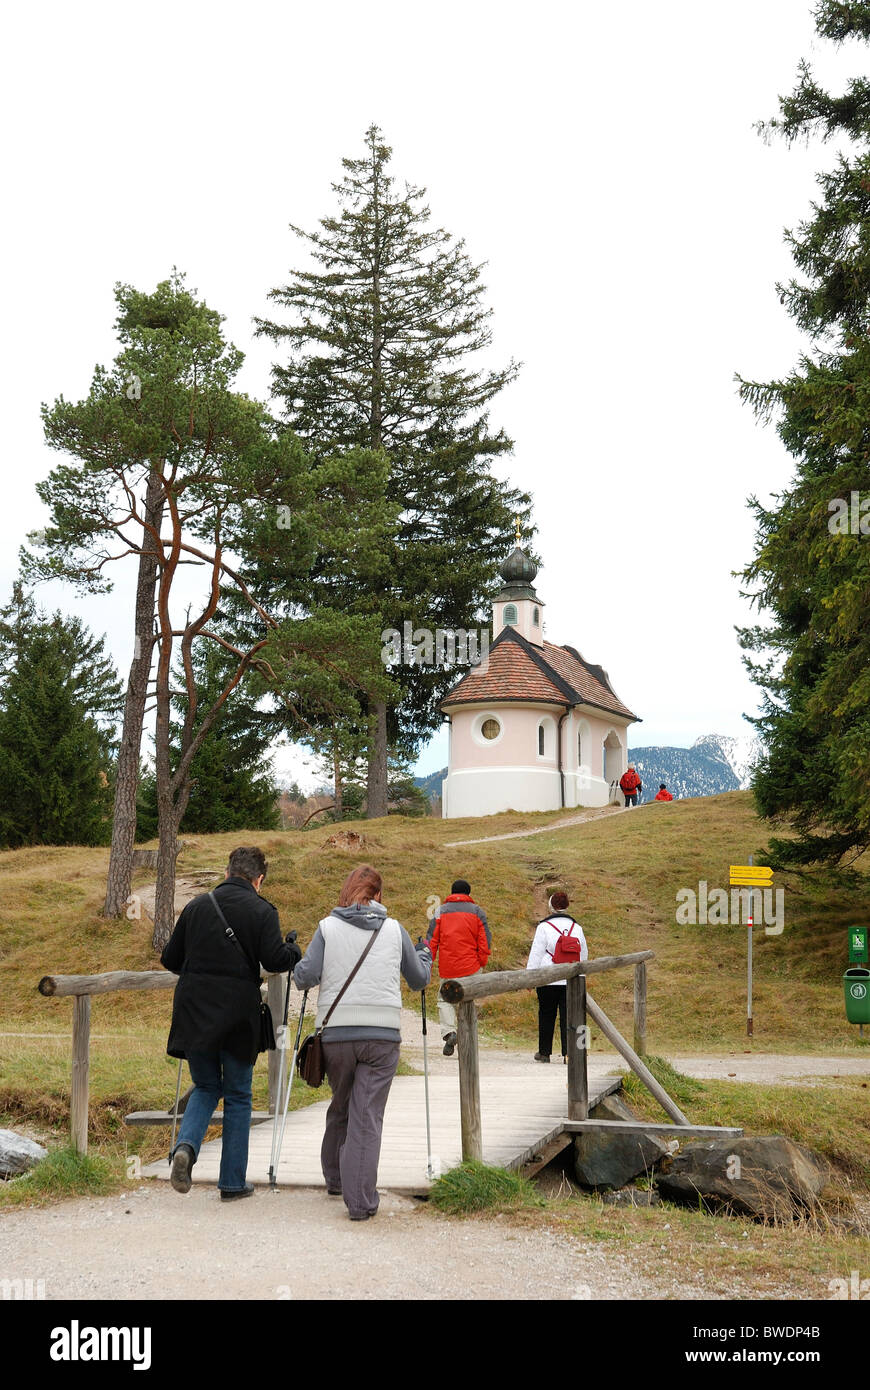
[216, 1011]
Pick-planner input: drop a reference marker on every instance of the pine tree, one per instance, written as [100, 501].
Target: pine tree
[811, 570]
[382, 340]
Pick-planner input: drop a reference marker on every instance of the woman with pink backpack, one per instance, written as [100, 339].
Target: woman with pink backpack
[559, 940]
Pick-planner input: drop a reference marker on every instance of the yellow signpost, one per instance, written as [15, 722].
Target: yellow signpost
[749, 876]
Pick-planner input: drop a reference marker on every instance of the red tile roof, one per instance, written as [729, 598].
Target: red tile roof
[518, 670]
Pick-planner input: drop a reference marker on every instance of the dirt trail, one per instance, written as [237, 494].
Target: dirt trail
[541, 829]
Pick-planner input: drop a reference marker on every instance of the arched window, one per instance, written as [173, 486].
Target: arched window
[540, 740]
[510, 615]
[536, 616]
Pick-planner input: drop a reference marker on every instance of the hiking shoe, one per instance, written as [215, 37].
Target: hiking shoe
[333, 1192]
[182, 1162]
[232, 1196]
[449, 1045]
[542, 1056]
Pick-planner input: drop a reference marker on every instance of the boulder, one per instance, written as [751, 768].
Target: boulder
[17, 1154]
[606, 1158]
[612, 1107]
[770, 1177]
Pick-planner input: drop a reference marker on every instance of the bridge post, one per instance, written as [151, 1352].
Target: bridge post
[81, 1061]
[640, 1008]
[469, 1080]
[578, 1049]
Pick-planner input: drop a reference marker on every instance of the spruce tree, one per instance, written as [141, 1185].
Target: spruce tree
[383, 342]
[811, 571]
[59, 701]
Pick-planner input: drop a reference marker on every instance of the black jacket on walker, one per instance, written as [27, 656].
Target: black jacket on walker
[217, 998]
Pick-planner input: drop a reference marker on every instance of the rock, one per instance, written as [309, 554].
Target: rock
[633, 1197]
[17, 1154]
[769, 1177]
[612, 1107]
[606, 1158]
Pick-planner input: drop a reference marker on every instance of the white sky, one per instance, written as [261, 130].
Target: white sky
[601, 159]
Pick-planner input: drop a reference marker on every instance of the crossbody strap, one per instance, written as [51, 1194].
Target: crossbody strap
[228, 931]
[348, 980]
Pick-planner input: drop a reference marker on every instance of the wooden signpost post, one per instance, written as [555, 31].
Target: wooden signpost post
[747, 876]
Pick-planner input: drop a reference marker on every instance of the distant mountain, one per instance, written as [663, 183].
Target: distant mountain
[432, 784]
[714, 763]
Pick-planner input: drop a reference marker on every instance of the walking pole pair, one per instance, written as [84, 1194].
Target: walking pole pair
[175, 1111]
[278, 1141]
[429, 1171]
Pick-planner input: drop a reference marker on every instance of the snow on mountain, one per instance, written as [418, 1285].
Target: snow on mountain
[741, 754]
[714, 763]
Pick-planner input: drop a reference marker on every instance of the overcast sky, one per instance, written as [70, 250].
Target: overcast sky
[602, 161]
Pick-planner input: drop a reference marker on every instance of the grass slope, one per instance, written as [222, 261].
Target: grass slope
[622, 873]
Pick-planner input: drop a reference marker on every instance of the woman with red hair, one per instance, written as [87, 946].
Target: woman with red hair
[357, 957]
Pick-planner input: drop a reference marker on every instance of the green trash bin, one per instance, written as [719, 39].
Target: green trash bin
[856, 983]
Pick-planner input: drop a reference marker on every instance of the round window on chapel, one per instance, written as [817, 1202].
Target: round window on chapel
[490, 728]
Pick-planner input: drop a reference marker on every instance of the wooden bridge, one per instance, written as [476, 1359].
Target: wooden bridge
[520, 1117]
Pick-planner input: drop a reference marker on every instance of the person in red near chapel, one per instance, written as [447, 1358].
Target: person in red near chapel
[630, 784]
[663, 794]
[460, 931]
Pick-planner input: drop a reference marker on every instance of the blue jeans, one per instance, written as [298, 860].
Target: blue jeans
[215, 1076]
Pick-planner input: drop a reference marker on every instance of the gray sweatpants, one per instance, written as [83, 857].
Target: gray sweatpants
[360, 1074]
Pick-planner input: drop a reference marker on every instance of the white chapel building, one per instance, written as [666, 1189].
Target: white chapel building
[534, 727]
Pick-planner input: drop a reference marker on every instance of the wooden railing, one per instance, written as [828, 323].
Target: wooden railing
[463, 993]
[82, 987]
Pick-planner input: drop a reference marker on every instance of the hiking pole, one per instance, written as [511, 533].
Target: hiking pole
[429, 1173]
[280, 1070]
[175, 1111]
[273, 1171]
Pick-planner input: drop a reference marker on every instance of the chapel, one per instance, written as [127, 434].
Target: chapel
[533, 727]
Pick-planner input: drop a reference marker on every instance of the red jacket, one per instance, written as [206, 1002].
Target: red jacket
[629, 781]
[664, 796]
[462, 935]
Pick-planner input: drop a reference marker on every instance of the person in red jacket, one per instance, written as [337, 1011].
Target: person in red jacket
[630, 784]
[663, 794]
[460, 931]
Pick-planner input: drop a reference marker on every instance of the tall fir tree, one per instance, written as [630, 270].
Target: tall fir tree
[384, 341]
[810, 574]
[59, 702]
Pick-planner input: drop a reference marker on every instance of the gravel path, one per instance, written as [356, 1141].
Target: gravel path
[153, 1243]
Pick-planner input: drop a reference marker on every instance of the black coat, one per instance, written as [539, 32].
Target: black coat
[217, 998]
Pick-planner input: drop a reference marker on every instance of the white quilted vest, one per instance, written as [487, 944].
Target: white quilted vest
[374, 998]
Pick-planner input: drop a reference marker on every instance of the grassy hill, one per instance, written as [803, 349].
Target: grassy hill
[622, 873]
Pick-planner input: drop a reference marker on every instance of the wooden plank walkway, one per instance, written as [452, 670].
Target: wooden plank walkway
[520, 1113]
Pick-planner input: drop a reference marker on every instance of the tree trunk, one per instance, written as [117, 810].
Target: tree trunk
[120, 874]
[164, 896]
[339, 789]
[377, 775]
